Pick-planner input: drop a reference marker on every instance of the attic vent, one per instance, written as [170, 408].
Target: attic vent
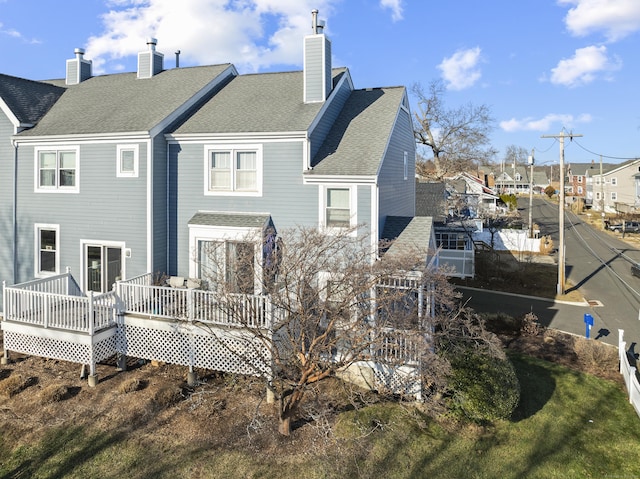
[150, 62]
[78, 69]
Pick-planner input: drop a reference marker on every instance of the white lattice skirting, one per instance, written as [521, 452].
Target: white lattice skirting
[76, 348]
[188, 344]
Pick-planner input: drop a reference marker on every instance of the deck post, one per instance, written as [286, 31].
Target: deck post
[90, 315]
[191, 375]
[5, 356]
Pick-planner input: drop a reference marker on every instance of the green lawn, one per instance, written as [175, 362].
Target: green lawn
[568, 425]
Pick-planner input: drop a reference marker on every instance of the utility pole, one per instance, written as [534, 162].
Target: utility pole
[602, 194]
[561, 271]
[531, 160]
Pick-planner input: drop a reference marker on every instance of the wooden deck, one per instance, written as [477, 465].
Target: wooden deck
[52, 318]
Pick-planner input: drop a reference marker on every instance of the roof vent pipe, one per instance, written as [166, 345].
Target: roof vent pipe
[177, 58]
[79, 52]
[317, 26]
[151, 43]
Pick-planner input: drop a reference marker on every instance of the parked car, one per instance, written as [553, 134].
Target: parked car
[635, 270]
[628, 226]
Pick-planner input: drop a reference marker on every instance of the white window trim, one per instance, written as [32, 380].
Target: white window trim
[406, 165]
[36, 174]
[136, 155]
[36, 249]
[614, 181]
[84, 243]
[208, 149]
[353, 206]
[614, 196]
[199, 233]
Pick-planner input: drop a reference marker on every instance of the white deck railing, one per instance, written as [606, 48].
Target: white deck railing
[139, 296]
[628, 373]
[57, 302]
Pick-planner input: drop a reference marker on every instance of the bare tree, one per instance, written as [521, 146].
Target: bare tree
[457, 138]
[320, 305]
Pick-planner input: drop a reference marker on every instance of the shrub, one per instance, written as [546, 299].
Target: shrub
[501, 323]
[510, 200]
[484, 388]
[529, 325]
[549, 191]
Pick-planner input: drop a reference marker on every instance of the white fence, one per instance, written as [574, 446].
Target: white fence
[57, 302]
[628, 373]
[140, 297]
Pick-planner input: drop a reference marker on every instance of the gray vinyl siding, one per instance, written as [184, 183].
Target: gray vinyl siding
[329, 117]
[314, 66]
[159, 236]
[6, 201]
[284, 197]
[364, 209]
[397, 195]
[107, 208]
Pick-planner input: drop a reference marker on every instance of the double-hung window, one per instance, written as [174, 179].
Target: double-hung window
[338, 205]
[57, 169]
[234, 170]
[46, 249]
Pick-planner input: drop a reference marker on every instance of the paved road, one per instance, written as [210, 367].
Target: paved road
[597, 263]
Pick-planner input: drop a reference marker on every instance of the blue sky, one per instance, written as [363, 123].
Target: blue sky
[540, 65]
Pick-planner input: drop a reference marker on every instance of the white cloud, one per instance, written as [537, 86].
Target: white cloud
[545, 123]
[252, 34]
[583, 67]
[460, 70]
[12, 32]
[615, 18]
[395, 6]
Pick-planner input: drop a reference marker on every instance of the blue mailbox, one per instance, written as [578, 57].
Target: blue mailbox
[588, 321]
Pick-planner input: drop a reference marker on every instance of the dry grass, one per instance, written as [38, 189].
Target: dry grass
[15, 384]
[130, 385]
[53, 393]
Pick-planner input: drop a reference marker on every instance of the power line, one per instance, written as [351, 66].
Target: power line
[604, 156]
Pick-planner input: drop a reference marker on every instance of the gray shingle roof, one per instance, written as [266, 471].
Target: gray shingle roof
[256, 103]
[123, 103]
[358, 139]
[28, 100]
[430, 199]
[408, 234]
[241, 220]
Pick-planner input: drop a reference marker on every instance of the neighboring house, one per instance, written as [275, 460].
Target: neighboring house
[576, 181]
[579, 180]
[431, 200]
[118, 177]
[456, 253]
[519, 180]
[468, 196]
[617, 190]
